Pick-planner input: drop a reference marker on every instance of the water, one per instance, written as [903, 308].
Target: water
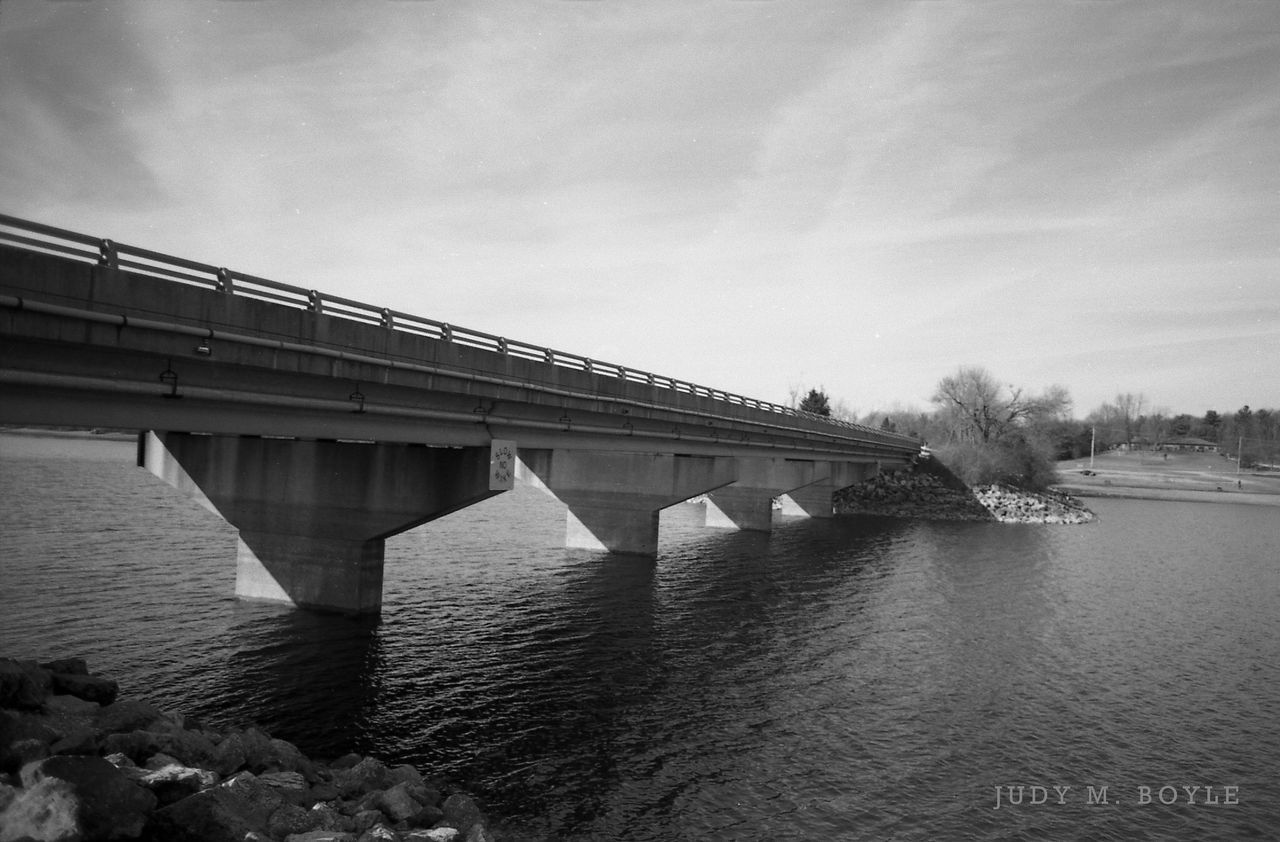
[853, 679]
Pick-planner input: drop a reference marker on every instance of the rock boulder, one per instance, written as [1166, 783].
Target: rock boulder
[108, 804]
[23, 684]
[91, 688]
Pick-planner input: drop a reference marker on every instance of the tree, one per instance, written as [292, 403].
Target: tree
[1129, 413]
[1238, 435]
[1119, 422]
[1068, 439]
[1155, 426]
[1252, 435]
[906, 420]
[981, 409]
[842, 412]
[816, 402]
[1268, 431]
[793, 395]
[1212, 422]
[1268, 422]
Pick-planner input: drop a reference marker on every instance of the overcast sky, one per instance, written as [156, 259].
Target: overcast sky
[756, 195]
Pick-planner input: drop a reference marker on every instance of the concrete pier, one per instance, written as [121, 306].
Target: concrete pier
[314, 515]
[614, 497]
[748, 502]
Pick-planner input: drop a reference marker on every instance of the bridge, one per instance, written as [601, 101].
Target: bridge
[319, 426]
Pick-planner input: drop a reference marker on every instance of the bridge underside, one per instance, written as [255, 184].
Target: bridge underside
[313, 516]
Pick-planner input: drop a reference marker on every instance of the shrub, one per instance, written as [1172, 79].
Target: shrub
[1013, 460]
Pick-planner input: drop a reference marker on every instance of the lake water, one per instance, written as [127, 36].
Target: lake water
[857, 678]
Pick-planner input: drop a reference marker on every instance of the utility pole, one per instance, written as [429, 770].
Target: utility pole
[1093, 437]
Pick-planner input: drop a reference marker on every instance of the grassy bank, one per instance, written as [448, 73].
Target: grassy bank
[1199, 477]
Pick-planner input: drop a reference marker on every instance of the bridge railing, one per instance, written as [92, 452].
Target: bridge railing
[48, 239]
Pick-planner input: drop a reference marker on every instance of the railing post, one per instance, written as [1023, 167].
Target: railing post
[107, 254]
[225, 282]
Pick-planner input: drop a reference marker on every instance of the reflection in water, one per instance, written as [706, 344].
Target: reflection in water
[598, 647]
[306, 677]
[663, 678]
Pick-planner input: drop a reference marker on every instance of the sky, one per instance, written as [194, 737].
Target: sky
[761, 196]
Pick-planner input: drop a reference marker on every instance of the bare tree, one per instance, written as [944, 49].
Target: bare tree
[1128, 411]
[980, 408]
[841, 411]
[1155, 425]
[793, 395]
[1053, 405]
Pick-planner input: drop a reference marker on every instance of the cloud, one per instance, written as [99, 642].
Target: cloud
[72, 73]
[726, 191]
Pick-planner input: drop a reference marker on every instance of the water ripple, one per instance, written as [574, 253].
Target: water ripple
[856, 678]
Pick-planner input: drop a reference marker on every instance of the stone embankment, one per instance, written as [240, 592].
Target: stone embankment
[1010, 505]
[916, 494]
[77, 765]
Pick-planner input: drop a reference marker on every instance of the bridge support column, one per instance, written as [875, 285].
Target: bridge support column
[748, 502]
[815, 499]
[614, 498]
[314, 516]
[741, 508]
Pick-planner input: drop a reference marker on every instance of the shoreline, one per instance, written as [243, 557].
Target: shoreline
[1172, 495]
[1174, 477]
[53, 433]
[78, 762]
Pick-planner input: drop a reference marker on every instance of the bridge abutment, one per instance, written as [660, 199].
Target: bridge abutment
[314, 516]
[614, 498]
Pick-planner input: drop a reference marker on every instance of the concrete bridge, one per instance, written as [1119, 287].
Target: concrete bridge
[319, 426]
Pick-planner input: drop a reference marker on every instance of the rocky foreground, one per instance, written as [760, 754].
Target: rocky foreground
[76, 765]
[920, 494]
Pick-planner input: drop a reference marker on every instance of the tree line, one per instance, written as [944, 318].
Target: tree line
[1251, 435]
[988, 431]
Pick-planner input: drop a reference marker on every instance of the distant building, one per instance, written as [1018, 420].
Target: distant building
[1190, 443]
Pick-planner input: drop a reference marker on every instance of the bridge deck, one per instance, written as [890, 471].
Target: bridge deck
[93, 325]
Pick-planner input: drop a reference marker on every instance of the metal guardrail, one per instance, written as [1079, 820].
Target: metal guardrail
[47, 239]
